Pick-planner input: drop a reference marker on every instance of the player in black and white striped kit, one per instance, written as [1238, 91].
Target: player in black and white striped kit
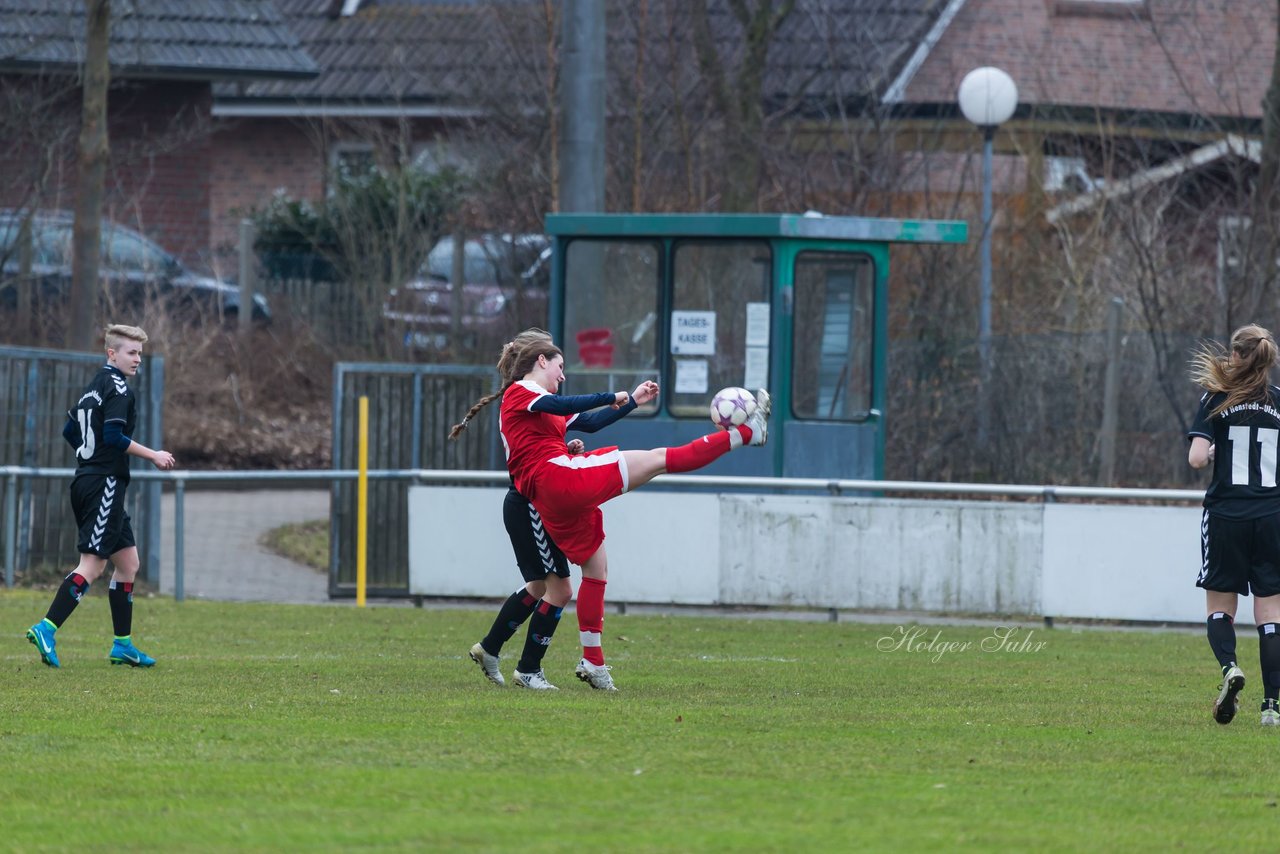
[99, 427]
[541, 601]
[1237, 430]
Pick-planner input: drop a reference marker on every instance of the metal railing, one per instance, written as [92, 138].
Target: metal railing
[180, 480]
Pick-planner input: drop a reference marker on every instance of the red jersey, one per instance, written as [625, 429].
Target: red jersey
[528, 438]
[567, 489]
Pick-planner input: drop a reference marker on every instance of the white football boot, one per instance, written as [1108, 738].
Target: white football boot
[488, 663]
[537, 681]
[597, 676]
[758, 421]
[1224, 708]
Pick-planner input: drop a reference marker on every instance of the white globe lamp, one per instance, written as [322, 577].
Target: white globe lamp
[988, 97]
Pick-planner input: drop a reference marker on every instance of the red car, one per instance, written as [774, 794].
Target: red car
[506, 285]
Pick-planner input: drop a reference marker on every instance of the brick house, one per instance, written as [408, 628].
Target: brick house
[286, 136]
[421, 80]
[1121, 234]
[1105, 87]
[1209, 58]
[165, 57]
[274, 100]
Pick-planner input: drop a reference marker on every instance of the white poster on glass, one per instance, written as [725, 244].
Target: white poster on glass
[693, 333]
[757, 324]
[691, 376]
[755, 374]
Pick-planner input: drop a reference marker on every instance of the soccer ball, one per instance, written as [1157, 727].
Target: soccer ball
[732, 406]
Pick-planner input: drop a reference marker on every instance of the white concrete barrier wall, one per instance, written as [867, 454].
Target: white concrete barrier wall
[962, 557]
[828, 552]
[1124, 563]
[663, 547]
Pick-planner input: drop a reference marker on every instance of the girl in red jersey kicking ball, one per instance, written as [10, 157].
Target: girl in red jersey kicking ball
[568, 489]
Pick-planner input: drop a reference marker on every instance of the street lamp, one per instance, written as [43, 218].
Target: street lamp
[988, 97]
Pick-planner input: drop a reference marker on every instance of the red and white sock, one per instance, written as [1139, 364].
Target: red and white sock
[591, 618]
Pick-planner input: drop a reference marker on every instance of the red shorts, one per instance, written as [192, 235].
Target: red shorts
[568, 491]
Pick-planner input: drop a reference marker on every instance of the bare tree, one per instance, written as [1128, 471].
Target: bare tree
[1266, 200]
[737, 92]
[637, 113]
[1267, 182]
[39, 142]
[93, 167]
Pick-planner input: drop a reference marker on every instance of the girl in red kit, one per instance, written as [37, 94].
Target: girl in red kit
[567, 490]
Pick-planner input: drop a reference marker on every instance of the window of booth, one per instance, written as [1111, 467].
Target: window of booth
[719, 324]
[612, 298]
[833, 336]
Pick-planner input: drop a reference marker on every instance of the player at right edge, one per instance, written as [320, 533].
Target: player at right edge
[1237, 430]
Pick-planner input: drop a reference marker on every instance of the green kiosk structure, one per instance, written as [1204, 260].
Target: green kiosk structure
[795, 303]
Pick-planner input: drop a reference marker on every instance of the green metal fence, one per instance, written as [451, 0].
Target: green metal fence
[411, 408]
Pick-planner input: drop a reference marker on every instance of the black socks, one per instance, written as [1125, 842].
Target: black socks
[120, 596]
[66, 599]
[1269, 657]
[511, 616]
[541, 627]
[1222, 638]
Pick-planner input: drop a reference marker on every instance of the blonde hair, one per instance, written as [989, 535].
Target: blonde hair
[518, 357]
[1245, 380]
[117, 333]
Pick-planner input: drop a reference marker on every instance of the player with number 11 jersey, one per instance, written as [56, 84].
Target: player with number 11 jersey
[1245, 438]
[1236, 431]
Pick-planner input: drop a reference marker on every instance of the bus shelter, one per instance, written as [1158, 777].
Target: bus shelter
[797, 304]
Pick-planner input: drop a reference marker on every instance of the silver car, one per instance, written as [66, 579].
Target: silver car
[132, 268]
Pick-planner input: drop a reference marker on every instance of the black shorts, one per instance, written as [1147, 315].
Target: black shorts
[98, 502]
[537, 555]
[1240, 556]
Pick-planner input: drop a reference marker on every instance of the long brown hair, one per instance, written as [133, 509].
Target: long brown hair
[1244, 381]
[519, 355]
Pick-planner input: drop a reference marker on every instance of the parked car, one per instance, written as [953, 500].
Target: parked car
[506, 286]
[131, 268]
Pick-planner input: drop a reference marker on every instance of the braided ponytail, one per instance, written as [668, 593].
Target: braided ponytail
[457, 429]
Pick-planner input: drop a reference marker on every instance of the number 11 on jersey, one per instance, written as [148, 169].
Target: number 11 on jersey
[1267, 439]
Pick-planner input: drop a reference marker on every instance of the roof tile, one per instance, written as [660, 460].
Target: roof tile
[207, 39]
[457, 52]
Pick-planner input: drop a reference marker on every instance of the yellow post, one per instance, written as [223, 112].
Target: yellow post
[362, 504]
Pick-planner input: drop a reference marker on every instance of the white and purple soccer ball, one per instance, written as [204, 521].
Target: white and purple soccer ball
[732, 406]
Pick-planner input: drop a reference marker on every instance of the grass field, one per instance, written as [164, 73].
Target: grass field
[269, 727]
